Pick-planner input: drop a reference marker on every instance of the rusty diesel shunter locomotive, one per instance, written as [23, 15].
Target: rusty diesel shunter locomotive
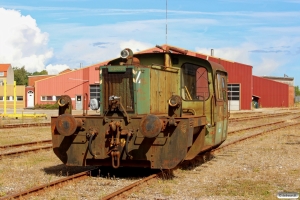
[156, 110]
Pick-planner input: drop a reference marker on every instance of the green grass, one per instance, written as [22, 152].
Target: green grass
[243, 188]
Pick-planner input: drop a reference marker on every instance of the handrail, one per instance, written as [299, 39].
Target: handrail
[212, 110]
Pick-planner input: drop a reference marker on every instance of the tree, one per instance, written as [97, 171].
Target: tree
[21, 75]
[43, 72]
[297, 91]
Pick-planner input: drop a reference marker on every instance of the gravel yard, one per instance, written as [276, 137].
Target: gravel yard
[255, 169]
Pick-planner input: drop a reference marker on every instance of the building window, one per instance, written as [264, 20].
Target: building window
[9, 98]
[57, 97]
[194, 82]
[47, 98]
[95, 92]
[1, 73]
[234, 92]
[19, 98]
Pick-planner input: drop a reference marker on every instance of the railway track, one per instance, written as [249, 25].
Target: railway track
[78, 177]
[24, 125]
[238, 119]
[117, 193]
[127, 189]
[43, 142]
[221, 148]
[263, 125]
[28, 144]
[39, 189]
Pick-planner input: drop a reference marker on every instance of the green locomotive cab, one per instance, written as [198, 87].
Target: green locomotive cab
[156, 110]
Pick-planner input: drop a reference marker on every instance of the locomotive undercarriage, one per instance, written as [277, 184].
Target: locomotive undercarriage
[118, 143]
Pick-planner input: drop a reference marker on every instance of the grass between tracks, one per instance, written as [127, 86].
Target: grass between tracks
[22, 135]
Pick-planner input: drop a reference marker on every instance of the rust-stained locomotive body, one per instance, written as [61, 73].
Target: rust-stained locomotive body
[156, 110]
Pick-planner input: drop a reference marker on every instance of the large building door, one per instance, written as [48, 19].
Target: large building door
[78, 102]
[30, 99]
[234, 96]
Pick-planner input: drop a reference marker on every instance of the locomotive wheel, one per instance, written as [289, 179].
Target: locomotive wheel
[66, 124]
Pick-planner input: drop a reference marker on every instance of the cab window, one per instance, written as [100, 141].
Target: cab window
[221, 86]
[194, 82]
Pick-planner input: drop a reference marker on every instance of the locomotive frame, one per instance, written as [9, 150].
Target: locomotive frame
[156, 110]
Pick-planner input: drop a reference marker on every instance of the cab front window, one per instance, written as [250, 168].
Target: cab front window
[194, 82]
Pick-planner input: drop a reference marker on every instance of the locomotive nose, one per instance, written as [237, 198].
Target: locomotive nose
[66, 124]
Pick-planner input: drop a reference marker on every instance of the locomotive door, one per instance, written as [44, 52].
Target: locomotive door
[221, 107]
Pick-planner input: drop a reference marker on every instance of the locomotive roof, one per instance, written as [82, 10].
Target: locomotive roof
[155, 51]
[215, 65]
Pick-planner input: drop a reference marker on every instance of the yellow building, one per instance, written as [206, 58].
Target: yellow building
[7, 74]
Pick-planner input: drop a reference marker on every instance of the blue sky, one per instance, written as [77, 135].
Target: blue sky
[59, 34]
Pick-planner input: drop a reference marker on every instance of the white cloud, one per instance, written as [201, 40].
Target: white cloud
[91, 51]
[237, 54]
[22, 43]
[55, 69]
[263, 63]
[267, 66]
[135, 46]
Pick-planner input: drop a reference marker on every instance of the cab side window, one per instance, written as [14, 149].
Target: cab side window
[221, 89]
[194, 82]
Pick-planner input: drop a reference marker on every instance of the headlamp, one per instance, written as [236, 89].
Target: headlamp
[124, 53]
[175, 100]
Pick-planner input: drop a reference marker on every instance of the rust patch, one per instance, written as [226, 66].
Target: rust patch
[183, 126]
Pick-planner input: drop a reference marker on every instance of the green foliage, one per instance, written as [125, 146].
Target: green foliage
[46, 106]
[297, 91]
[44, 72]
[21, 75]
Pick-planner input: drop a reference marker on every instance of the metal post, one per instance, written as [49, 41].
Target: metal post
[15, 97]
[4, 97]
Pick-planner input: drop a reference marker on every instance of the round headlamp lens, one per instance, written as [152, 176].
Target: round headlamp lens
[175, 100]
[124, 53]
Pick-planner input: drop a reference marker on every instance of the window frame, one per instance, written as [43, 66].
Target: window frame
[45, 97]
[186, 92]
[220, 83]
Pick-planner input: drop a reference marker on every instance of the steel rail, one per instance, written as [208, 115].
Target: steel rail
[75, 177]
[25, 144]
[251, 136]
[15, 153]
[237, 119]
[24, 125]
[259, 126]
[131, 186]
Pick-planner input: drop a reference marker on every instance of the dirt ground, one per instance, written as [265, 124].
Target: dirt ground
[255, 169]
